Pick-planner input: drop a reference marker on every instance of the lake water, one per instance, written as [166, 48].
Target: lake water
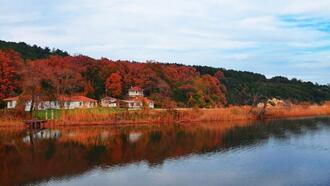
[283, 152]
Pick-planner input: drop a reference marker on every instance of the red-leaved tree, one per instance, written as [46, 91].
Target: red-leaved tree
[9, 78]
[114, 84]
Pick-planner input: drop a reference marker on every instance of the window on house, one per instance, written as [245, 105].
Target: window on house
[10, 104]
[80, 103]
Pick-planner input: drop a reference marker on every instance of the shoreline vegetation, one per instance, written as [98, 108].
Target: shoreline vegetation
[107, 116]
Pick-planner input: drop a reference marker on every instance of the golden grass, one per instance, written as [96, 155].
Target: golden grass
[154, 116]
[298, 111]
[11, 123]
[11, 118]
[233, 113]
[86, 115]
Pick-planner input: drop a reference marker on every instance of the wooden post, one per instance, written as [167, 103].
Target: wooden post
[46, 115]
[52, 114]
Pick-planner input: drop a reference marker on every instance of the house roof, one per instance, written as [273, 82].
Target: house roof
[11, 98]
[76, 98]
[135, 89]
[60, 98]
[109, 99]
[25, 97]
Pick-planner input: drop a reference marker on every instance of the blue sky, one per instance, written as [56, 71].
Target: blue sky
[273, 37]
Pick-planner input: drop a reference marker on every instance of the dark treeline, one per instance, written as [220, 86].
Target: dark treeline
[245, 87]
[31, 52]
[35, 71]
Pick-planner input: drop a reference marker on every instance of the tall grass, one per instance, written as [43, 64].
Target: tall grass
[233, 113]
[298, 111]
[105, 116]
[12, 117]
[123, 116]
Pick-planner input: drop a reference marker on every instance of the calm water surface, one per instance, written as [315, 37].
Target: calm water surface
[285, 152]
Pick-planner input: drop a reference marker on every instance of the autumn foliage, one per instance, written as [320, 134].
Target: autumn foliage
[71, 75]
[10, 63]
[114, 84]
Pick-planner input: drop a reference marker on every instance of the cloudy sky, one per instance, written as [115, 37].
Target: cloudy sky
[273, 37]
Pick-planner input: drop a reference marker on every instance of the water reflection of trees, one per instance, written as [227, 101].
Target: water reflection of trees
[237, 137]
[33, 156]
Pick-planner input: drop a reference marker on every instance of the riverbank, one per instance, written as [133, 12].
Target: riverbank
[102, 116]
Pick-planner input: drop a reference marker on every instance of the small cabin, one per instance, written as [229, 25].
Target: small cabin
[73, 102]
[135, 91]
[11, 102]
[138, 103]
[109, 102]
[135, 100]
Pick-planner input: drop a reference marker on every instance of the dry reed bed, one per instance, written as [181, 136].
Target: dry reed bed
[298, 111]
[158, 116]
[11, 123]
[232, 113]
[11, 118]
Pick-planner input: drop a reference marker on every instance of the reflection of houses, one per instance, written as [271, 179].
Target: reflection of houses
[41, 135]
[134, 136]
[109, 102]
[136, 100]
[65, 102]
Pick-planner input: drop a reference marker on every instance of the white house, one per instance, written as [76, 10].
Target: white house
[109, 102]
[42, 105]
[64, 102]
[11, 102]
[138, 102]
[74, 102]
[135, 91]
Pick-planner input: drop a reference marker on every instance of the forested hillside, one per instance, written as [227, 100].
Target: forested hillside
[34, 71]
[31, 52]
[167, 85]
[245, 87]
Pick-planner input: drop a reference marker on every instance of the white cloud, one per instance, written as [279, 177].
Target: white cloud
[240, 34]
